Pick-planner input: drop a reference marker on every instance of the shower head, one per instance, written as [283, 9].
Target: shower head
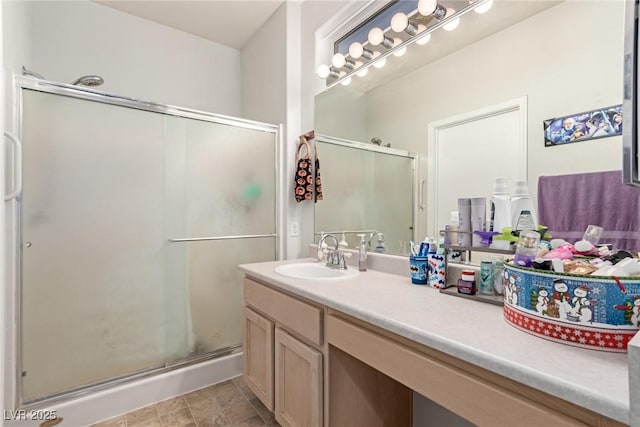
[26, 72]
[88, 81]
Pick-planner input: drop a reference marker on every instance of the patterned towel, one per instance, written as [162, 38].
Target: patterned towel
[317, 181]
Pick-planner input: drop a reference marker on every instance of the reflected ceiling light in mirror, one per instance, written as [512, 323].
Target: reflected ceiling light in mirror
[380, 63]
[346, 82]
[377, 37]
[449, 19]
[424, 39]
[356, 50]
[400, 23]
[402, 50]
[431, 7]
[483, 8]
[453, 24]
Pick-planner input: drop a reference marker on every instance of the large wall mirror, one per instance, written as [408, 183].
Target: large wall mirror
[545, 59]
[367, 189]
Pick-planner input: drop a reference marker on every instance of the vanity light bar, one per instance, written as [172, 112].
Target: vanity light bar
[371, 58]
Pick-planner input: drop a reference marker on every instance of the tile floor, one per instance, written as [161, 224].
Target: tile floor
[228, 404]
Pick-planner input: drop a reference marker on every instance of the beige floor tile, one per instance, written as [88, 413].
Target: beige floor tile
[223, 387]
[217, 420]
[113, 422]
[255, 421]
[141, 415]
[230, 397]
[265, 414]
[240, 411]
[171, 405]
[153, 422]
[180, 418]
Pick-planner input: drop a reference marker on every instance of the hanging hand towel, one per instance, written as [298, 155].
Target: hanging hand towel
[317, 181]
[303, 189]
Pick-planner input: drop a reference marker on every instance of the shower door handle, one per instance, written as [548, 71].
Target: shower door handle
[421, 194]
[17, 167]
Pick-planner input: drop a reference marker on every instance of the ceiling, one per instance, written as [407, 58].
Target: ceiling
[228, 22]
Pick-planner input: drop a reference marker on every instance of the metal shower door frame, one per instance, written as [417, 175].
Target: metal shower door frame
[22, 83]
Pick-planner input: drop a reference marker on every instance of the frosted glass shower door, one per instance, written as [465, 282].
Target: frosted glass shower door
[221, 204]
[96, 299]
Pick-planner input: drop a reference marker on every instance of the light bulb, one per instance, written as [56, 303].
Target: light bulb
[356, 50]
[401, 51]
[485, 7]
[381, 63]
[363, 72]
[399, 22]
[453, 24]
[346, 82]
[426, 7]
[323, 71]
[338, 60]
[424, 40]
[376, 36]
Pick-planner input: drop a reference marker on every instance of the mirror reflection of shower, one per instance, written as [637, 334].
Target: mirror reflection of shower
[89, 80]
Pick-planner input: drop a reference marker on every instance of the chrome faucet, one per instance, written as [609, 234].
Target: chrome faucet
[335, 256]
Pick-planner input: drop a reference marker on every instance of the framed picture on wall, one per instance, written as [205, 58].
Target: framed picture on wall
[600, 123]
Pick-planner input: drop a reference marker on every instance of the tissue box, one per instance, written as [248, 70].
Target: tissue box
[598, 313]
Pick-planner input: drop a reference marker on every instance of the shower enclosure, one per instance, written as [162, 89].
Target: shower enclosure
[128, 224]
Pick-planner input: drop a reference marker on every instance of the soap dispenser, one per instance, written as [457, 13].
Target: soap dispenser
[362, 253]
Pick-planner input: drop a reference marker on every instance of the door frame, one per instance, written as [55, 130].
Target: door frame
[434, 129]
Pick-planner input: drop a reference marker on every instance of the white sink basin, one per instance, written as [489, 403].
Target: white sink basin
[314, 271]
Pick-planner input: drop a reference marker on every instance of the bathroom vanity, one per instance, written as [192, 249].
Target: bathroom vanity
[351, 351]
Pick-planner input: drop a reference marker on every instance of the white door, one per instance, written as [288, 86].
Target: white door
[467, 152]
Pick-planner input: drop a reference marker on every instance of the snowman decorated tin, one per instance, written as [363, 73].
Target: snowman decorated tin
[595, 312]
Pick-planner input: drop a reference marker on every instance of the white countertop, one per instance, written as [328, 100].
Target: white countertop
[470, 330]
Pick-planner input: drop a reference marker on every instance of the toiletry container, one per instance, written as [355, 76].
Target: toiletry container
[467, 282]
[464, 222]
[500, 206]
[526, 248]
[486, 277]
[524, 214]
[362, 253]
[478, 218]
[454, 221]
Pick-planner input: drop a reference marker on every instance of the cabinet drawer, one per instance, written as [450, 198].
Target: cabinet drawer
[477, 400]
[293, 314]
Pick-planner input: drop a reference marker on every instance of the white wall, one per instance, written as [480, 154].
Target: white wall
[566, 59]
[137, 58]
[264, 82]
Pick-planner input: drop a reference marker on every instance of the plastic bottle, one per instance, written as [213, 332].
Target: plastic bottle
[362, 253]
[526, 248]
[500, 206]
[524, 215]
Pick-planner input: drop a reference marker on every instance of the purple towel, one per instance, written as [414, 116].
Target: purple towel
[567, 204]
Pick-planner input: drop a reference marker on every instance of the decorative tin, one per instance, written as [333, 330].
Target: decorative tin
[593, 312]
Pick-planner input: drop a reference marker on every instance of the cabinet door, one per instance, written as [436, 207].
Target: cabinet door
[257, 356]
[298, 383]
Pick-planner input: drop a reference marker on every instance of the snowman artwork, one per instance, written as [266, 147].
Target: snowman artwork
[635, 316]
[580, 305]
[511, 291]
[543, 302]
[561, 298]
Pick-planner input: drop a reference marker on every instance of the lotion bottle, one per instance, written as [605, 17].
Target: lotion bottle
[500, 206]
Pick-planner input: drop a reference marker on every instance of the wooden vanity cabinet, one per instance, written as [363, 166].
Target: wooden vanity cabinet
[283, 354]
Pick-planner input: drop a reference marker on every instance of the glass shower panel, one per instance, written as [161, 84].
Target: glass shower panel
[94, 282]
[346, 184]
[220, 184]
